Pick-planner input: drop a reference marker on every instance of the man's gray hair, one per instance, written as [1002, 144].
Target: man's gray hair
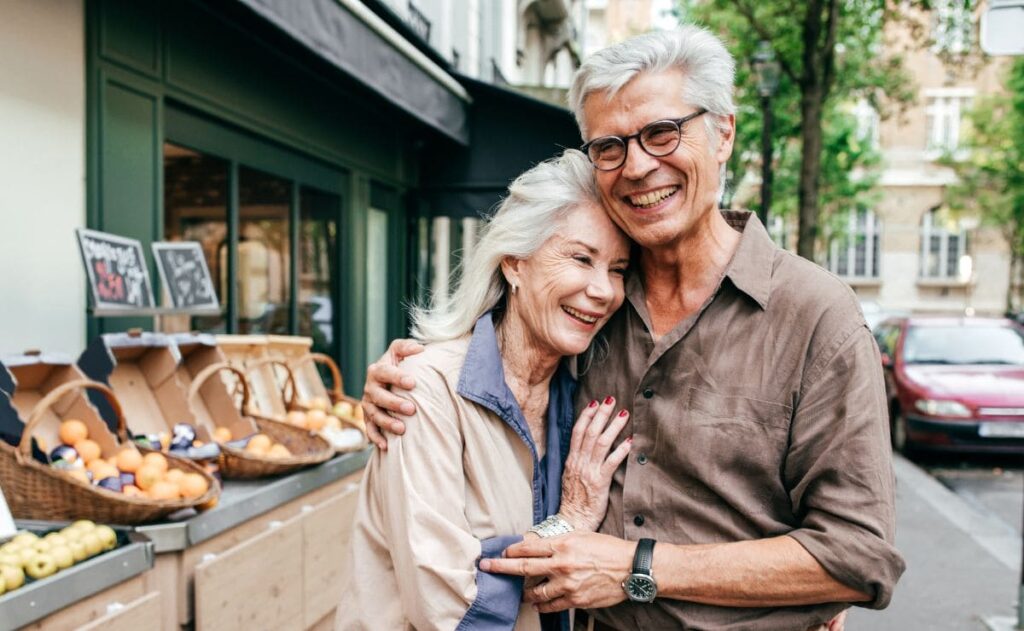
[709, 69]
[537, 202]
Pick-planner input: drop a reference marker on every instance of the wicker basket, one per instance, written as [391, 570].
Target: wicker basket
[38, 491]
[337, 392]
[307, 449]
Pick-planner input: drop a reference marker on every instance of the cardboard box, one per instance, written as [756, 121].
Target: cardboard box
[142, 369]
[296, 352]
[251, 355]
[34, 375]
[213, 405]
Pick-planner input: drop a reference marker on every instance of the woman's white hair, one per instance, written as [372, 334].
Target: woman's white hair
[709, 69]
[537, 202]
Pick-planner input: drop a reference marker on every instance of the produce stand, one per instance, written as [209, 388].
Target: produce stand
[271, 554]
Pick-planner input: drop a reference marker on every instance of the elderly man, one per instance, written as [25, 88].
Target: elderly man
[759, 491]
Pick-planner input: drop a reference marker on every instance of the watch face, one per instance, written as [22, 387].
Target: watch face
[640, 588]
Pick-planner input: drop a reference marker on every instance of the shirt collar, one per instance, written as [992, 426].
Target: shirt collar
[750, 269]
[483, 374]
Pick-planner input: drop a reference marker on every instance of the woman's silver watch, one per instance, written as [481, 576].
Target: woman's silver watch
[552, 527]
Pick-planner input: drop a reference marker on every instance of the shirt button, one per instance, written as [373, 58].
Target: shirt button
[639, 520]
[648, 393]
[642, 458]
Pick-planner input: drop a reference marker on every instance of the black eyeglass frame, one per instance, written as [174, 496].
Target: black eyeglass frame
[678, 122]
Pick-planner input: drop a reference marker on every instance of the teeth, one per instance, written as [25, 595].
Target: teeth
[653, 197]
[582, 316]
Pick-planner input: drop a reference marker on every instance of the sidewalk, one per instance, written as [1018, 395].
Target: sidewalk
[963, 564]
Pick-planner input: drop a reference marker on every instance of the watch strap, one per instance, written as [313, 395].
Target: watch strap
[643, 558]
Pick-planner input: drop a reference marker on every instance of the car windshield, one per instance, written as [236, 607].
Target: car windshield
[964, 345]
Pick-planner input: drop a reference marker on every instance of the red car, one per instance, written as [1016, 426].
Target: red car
[954, 384]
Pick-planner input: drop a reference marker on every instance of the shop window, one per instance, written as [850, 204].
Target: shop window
[377, 293]
[944, 247]
[854, 250]
[317, 268]
[196, 209]
[264, 257]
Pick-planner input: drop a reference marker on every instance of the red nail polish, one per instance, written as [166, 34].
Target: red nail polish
[593, 404]
[609, 400]
[623, 413]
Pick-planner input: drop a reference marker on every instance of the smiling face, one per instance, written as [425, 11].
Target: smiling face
[657, 201]
[572, 284]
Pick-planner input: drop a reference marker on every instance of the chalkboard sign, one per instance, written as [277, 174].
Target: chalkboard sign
[118, 277]
[185, 275]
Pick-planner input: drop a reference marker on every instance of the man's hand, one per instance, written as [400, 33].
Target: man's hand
[379, 403]
[583, 569]
[589, 467]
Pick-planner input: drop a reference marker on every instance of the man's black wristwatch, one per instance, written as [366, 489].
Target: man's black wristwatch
[640, 586]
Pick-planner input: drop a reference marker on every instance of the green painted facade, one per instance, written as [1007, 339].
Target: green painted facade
[180, 72]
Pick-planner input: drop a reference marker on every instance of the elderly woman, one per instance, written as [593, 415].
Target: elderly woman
[494, 418]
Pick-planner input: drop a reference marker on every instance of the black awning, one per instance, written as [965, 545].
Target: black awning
[509, 133]
[350, 44]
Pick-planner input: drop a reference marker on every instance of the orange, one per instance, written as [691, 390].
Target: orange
[315, 419]
[129, 460]
[100, 469]
[207, 505]
[258, 444]
[222, 434]
[296, 418]
[147, 476]
[279, 451]
[157, 460]
[320, 403]
[174, 475]
[164, 491]
[88, 450]
[73, 430]
[80, 475]
[193, 485]
[165, 441]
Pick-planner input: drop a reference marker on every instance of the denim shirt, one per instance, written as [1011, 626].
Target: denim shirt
[482, 380]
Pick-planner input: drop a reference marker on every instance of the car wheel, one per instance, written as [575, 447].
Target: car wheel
[898, 433]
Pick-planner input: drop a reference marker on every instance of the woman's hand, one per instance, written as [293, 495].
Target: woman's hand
[589, 467]
[379, 403]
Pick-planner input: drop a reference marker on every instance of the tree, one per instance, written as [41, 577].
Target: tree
[831, 53]
[991, 176]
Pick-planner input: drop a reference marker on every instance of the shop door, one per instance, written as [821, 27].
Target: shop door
[269, 223]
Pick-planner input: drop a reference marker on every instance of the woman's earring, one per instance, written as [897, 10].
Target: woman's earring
[514, 287]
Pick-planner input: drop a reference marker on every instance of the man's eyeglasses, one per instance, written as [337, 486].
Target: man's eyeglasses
[657, 139]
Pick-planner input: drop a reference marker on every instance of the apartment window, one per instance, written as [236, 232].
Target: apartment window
[945, 110]
[854, 251]
[944, 247]
[953, 26]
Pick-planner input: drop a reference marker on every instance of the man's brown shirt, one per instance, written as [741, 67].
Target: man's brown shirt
[764, 414]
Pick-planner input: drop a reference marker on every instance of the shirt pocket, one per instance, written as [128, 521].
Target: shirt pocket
[730, 449]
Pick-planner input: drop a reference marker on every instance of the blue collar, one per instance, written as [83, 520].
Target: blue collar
[482, 380]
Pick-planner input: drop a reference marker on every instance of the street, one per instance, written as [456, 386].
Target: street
[991, 484]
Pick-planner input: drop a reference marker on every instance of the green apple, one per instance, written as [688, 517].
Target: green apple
[41, 545]
[92, 543]
[12, 576]
[41, 566]
[62, 557]
[26, 554]
[83, 524]
[24, 538]
[78, 551]
[107, 537]
[10, 548]
[10, 559]
[71, 534]
[56, 539]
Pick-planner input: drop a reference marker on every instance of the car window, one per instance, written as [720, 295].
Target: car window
[963, 345]
[886, 338]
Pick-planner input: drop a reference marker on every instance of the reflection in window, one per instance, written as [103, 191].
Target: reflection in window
[854, 252]
[318, 245]
[944, 247]
[195, 209]
[263, 253]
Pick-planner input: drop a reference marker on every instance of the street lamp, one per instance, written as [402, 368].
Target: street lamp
[767, 71]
